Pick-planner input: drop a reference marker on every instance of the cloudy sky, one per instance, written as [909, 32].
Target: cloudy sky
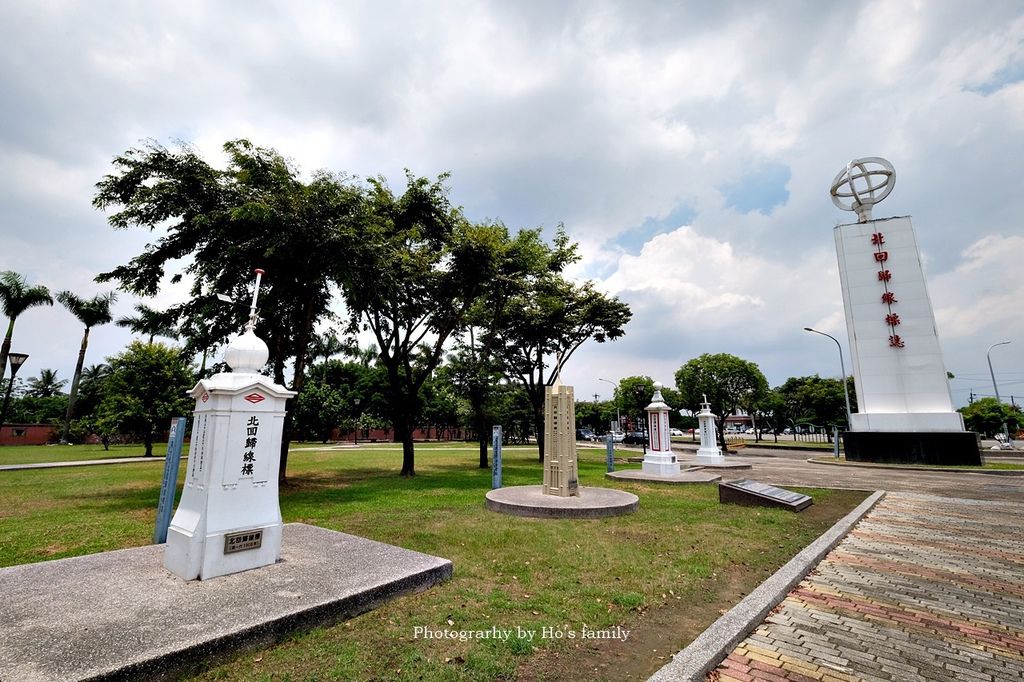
[688, 148]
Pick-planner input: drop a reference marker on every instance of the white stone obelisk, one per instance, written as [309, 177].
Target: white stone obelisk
[708, 452]
[659, 460]
[229, 518]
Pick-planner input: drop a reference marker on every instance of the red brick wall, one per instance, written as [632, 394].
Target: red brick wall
[27, 434]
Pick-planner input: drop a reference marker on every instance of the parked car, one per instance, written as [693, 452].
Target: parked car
[585, 434]
[635, 438]
[675, 432]
[617, 436]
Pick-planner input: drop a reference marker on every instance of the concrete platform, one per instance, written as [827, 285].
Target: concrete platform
[722, 466]
[682, 477]
[591, 503]
[121, 615]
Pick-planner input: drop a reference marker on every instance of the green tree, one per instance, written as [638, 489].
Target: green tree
[256, 212]
[987, 416]
[520, 260]
[16, 296]
[149, 322]
[91, 389]
[318, 410]
[420, 266]
[634, 394]
[90, 312]
[728, 382]
[46, 385]
[325, 346]
[814, 400]
[147, 386]
[548, 321]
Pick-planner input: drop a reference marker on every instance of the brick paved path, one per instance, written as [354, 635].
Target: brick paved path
[924, 588]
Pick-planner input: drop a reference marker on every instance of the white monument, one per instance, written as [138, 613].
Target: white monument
[708, 452]
[229, 518]
[561, 472]
[902, 386]
[659, 460]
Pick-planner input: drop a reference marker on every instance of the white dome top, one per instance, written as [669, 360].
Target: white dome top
[247, 353]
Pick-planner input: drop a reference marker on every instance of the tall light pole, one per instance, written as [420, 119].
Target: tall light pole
[995, 387]
[618, 417]
[17, 360]
[842, 368]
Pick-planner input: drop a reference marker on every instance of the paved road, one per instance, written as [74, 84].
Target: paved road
[924, 588]
[796, 470]
[792, 468]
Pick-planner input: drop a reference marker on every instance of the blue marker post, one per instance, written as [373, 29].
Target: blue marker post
[610, 444]
[496, 459]
[170, 484]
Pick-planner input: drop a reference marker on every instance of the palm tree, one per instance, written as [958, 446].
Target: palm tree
[325, 346]
[15, 298]
[46, 385]
[90, 312]
[149, 322]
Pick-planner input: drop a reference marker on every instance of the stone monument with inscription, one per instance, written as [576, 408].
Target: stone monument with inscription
[659, 460]
[229, 517]
[905, 409]
[561, 472]
[708, 452]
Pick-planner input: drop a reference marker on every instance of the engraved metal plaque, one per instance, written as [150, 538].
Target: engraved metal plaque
[239, 542]
[750, 492]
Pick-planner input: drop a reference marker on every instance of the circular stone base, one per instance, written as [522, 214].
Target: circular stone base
[591, 503]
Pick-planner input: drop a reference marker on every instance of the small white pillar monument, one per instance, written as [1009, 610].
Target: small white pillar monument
[229, 517]
[659, 460]
[708, 452]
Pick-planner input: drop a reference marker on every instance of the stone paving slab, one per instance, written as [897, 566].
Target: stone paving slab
[924, 588]
[685, 476]
[122, 615]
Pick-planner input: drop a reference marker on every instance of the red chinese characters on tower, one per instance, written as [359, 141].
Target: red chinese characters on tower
[888, 298]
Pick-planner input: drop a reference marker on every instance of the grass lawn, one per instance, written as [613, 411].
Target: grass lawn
[664, 573]
[33, 454]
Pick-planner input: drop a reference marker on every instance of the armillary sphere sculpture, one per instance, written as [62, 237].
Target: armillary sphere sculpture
[864, 183]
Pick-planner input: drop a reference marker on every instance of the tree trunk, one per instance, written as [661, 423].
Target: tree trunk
[403, 433]
[74, 387]
[5, 349]
[298, 380]
[538, 424]
[148, 441]
[721, 434]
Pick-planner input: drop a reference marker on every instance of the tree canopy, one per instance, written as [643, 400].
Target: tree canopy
[146, 387]
[16, 296]
[728, 382]
[549, 318]
[987, 416]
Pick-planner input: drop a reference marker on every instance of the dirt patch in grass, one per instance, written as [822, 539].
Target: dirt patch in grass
[658, 630]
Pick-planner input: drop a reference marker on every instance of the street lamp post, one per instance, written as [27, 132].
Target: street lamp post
[995, 387]
[17, 360]
[618, 417]
[355, 438]
[842, 368]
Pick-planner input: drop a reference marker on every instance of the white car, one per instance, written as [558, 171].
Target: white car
[617, 436]
[675, 432]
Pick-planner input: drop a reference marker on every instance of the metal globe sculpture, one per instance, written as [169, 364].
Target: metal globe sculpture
[862, 184]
